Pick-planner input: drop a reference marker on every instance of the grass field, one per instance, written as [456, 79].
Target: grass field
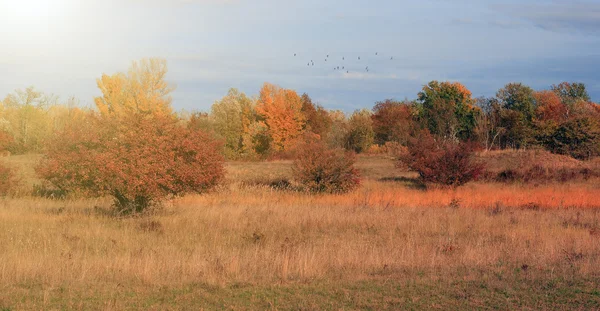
[255, 245]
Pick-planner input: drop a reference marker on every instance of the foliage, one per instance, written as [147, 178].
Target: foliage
[323, 170]
[360, 135]
[392, 121]
[136, 160]
[441, 161]
[25, 119]
[570, 93]
[231, 117]
[143, 90]
[281, 110]
[516, 111]
[447, 110]
[579, 138]
[134, 150]
[318, 120]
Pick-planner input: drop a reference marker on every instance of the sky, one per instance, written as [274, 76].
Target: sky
[63, 46]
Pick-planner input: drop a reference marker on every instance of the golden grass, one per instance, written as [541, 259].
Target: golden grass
[253, 234]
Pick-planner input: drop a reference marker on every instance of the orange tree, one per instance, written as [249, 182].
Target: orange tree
[137, 156]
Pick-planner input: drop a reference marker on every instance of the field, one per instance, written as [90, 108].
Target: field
[255, 244]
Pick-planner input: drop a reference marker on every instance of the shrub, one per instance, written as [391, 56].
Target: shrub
[323, 170]
[137, 160]
[441, 162]
[8, 180]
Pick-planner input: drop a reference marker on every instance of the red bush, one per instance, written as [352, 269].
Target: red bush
[442, 162]
[137, 160]
[323, 170]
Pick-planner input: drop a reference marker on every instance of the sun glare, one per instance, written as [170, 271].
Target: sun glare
[28, 16]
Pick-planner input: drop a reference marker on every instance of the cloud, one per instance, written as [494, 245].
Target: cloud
[563, 16]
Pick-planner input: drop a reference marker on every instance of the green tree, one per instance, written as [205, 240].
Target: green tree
[571, 93]
[232, 116]
[517, 112]
[447, 110]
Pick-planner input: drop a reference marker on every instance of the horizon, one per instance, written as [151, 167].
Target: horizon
[211, 46]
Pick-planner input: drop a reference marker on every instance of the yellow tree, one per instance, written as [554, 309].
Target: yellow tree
[25, 117]
[143, 90]
[282, 113]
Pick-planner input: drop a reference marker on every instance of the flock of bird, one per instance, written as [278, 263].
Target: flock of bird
[342, 68]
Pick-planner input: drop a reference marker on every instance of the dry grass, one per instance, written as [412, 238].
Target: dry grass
[249, 233]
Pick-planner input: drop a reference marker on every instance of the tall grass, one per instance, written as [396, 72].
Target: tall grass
[250, 233]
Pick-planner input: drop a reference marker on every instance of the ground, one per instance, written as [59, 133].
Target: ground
[256, 244]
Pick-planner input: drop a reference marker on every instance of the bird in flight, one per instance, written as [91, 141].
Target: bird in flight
[359, 58]
[294, 54]
[375, 53]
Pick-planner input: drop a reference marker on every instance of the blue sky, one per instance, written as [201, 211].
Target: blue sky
[212, 45]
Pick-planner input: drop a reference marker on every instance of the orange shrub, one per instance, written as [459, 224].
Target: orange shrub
[323, 170]
[137, 160]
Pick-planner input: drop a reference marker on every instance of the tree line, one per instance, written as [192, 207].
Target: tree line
[272, 123]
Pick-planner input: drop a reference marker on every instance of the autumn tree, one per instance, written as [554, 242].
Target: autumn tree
[25, 119]
[336, 136]
[392, 121]
[142, 90]
[137, 156]
[447, 110]
[317, 118]
[281, 110]
[232, 116]
[360, 135]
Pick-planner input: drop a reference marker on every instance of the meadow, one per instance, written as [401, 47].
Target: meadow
[255, 243]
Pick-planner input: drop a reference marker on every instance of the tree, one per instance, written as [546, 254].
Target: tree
[281, 110]
[579, 138]
[232, 116]
[517, 111]
[317, 118]
[447, 110]
[336, 136]
[392, 121]
[25, 118]
[550, 107]
[488, 130]
[360, 135]
[134, 150]
[571, 93]
[143, 90]
[518, 97]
